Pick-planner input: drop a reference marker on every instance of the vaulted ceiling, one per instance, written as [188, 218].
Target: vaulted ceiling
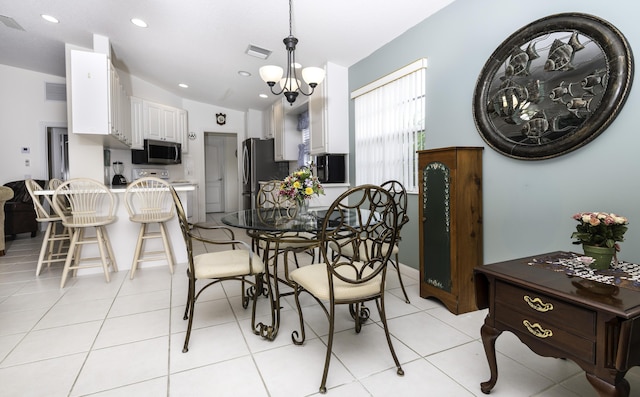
[203, 43]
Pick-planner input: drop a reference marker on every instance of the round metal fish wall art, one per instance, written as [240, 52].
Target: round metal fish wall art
[553, 86]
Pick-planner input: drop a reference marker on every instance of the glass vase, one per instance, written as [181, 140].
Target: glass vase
[303, 207]
[602, 256]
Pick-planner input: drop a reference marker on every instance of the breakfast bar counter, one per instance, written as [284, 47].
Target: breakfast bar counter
[123, 235]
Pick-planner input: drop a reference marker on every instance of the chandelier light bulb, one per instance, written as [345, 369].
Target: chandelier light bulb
[313, 75]
[271, 74]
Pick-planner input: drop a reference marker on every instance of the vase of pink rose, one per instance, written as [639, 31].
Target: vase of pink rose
[599, 234]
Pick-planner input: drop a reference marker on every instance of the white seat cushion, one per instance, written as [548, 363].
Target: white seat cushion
[225, 264]
[314, 279]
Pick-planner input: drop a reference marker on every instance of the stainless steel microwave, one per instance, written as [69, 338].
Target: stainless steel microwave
[157, 152]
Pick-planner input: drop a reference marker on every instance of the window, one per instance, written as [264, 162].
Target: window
[304, 158]
[389, 127]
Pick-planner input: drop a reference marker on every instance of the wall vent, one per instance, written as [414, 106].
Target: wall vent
[55, 92]
[10, 22]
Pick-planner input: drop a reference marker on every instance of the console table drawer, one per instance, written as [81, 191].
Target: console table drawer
[536, 327]
[553, 312]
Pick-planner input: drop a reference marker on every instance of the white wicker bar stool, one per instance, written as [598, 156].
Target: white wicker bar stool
[148, 201]
[54, 241]
[91, 206]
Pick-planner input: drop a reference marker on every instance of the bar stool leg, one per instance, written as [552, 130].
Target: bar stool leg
[107, 243]
[70, 257]
[43, 249]
[139, 244]
[167, 246]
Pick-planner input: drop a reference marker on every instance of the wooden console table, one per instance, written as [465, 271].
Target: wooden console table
[595, 325]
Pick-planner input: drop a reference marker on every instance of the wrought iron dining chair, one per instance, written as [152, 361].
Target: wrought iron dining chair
[274, 207]
[91, 206]
[364, 216]
[225, 259]
[399, 194]
[55, 236]
[149, 201]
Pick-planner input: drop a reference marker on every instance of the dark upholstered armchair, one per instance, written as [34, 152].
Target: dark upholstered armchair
[5, 194]
[20, 217]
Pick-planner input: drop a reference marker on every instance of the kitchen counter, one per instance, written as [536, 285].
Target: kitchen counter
[123, 235]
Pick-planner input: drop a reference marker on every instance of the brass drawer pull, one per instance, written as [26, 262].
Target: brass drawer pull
[537, 330]
[536, 304]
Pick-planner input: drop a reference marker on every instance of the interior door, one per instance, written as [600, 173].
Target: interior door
[214, 179]
[58, 147]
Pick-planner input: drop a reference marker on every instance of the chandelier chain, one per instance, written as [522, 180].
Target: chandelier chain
[290, 18]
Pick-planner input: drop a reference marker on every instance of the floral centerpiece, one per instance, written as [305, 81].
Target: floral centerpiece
[300, 186]
[599, 232]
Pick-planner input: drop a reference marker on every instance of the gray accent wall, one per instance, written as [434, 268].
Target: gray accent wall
[527, 204]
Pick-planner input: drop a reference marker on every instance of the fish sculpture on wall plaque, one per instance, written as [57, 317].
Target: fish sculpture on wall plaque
[561, 54]
[553, 86]
[521, 60]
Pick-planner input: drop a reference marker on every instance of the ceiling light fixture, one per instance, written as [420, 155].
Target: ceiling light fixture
[290, 84]
[244, 73]
[139, 22]
[49, 18]
[183, 85]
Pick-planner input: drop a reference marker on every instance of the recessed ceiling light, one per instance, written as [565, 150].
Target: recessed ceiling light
[244, 73]
[49, 18]
[139, 22]
[183, 85]
[263, 96]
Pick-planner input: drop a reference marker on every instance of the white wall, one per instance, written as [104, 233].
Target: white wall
[23, 118]
[26, 113]
[202, 118]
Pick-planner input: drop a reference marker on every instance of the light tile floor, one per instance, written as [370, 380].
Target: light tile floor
[124, 338]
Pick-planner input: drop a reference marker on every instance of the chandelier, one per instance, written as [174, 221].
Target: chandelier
[290, 84]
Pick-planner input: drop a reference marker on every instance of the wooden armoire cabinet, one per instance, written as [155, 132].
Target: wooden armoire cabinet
[450, 213]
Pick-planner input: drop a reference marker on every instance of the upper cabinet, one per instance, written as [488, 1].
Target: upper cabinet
[269, 127]
[329, 112]
[183, 130]
[101, 106]
[137, 124]
[99, 103]
[161, 122]
[90, 93]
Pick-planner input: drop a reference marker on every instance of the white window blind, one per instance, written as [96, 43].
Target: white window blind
[390, 127]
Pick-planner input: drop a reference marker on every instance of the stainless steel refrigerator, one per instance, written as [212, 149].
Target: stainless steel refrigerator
[258, 165]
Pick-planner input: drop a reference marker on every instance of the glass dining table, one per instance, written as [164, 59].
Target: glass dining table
[281, 231]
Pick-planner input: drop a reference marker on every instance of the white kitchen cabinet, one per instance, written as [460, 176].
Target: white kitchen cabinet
[153, 120]
[137, 124]
[183, 130]
[99, 103]
[268, 124]
[329, 113]
[279, 141]
[90, 79]
[170, 118]
[160, 122]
